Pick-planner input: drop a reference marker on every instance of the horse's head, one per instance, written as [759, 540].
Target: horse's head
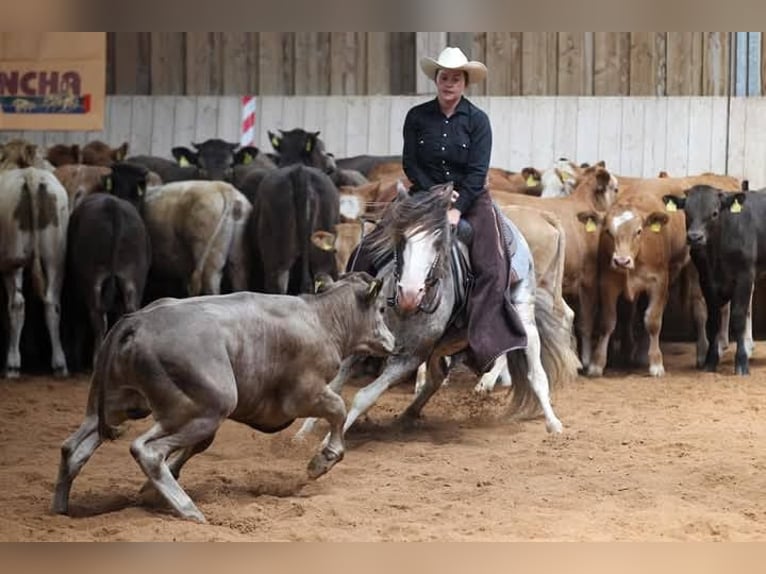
[416, 229]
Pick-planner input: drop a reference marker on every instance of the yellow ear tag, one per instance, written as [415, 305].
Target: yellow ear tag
[531, 181]
[736, 207]
[671, 206]
[308, 145]
[656, 227]
[590, 225]
[247, 159]
[275, 143]
[183, 162]
[108, 184]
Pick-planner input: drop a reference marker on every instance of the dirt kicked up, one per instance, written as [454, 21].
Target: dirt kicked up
[679, 458]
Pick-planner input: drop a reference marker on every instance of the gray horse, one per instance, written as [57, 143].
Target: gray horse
[418, 231]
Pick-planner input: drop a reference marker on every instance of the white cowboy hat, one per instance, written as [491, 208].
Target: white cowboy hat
[454, 59]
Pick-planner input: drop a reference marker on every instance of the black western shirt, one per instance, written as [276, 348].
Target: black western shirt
[438, 149]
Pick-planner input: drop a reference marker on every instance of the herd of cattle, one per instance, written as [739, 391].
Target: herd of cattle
[100, 233]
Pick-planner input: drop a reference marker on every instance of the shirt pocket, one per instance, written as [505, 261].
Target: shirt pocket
[462, 151]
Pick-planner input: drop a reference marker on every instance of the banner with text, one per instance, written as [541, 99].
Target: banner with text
[52, 80]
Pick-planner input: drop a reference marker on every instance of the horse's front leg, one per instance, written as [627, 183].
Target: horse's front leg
[435, 376]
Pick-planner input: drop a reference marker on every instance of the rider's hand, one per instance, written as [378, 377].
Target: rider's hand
[453, 216]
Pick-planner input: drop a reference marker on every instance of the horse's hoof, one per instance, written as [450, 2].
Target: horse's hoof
[554, 427]
[60, 372]
[12, 373]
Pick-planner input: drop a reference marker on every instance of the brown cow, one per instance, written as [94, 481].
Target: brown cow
[596, 192]
[261, 360]
[99, 153]
[81, 180]
[642, 250]
[62, 154]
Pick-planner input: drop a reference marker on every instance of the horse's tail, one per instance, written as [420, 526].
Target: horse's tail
[557, 353]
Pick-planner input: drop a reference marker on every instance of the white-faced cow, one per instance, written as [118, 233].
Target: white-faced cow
[726, 233]
[261, 360]
[108, 249]
[34, 215]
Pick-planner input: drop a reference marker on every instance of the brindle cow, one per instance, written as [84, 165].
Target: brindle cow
[34, 215]
[262, 360]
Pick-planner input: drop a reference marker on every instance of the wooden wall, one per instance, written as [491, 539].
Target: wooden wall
[636, 136]
[369, 63]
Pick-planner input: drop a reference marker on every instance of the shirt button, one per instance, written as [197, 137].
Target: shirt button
[445, 135]
[446, 121]
[442, 148]
[446, 173]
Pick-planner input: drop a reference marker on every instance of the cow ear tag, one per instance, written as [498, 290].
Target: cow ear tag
[531, 181]
[183, 162]
[308, 145]
[736, 207]
[656, 227]
[590, 225]
[247, 159]
[108, 183]
[671, 206]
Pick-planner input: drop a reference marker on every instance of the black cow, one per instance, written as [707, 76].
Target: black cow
[215, 159]
[292, 203]
[726, 233]
[300, 146]
[108, 252]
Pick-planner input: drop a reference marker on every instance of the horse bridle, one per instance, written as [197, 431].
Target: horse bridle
[432, 297]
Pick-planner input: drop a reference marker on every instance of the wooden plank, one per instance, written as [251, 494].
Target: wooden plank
[125, 63]
[428, 44]
[378, 63]
[755, 142]
[632, 137]
[611, 66]
[610, 133]
[229, 126]
[167, 63]
[275, 63]
[521, 129]
[140, 141]
[655, 129]
[539, 54]
[588, 128]
[202, 63]
[185, 121]
[399, 108]
[499, 113]
[378, 121]
[719, 134]
[677, 139]
[754, 63]
[239, 63]
[715, 66]
[312, 63]
[736, 154]
[269, 118]
[292, 113]
[684, 61]
[163, 128]
[571, 64]
[543, 122]
[357, 124]
[647, 63]
[479, 52]
[565, 128]
[121, 119]
[335, 134]
[348, 63]
[503, 63]
[700, 134]
[404, 66]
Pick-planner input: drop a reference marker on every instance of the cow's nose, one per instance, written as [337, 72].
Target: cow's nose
[622, 261]
[695, 237]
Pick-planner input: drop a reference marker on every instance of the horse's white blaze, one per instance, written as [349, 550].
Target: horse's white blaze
[417, 258]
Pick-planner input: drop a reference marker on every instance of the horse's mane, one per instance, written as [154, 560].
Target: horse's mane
[423, 211]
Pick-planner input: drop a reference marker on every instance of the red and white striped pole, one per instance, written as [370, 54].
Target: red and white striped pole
[247, 136]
